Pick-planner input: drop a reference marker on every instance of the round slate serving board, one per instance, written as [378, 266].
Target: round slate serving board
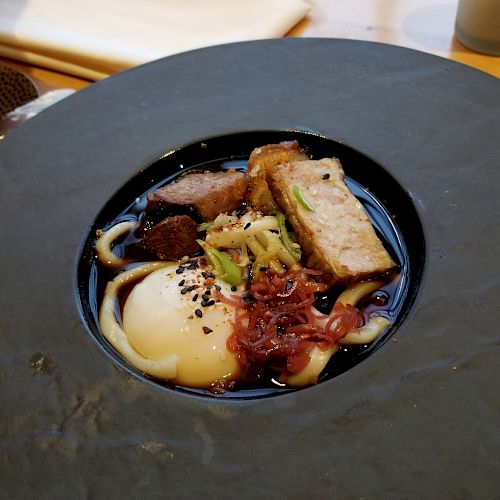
[417, 419]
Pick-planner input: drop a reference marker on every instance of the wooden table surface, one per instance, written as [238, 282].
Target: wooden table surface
[425, 25]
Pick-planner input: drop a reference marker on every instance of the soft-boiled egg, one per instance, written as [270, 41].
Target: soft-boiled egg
[173, 312]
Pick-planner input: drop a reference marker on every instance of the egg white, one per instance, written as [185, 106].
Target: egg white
[159, 320]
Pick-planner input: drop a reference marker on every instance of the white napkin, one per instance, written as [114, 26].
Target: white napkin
[95, 38]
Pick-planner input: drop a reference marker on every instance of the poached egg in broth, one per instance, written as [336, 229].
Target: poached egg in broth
[175, 314]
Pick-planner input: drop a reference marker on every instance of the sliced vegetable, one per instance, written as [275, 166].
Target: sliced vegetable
[227, 270]
[292, 247]
[262, 257]
[205, 226]
[276, 248]
[234, 235]
[297, 192]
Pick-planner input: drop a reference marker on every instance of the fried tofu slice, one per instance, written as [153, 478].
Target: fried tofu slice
[331, 224]
[203, 195]
[261, 159]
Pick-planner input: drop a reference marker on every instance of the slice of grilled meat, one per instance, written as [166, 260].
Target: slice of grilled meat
[172, 238]
[203, 195]
[332, 225]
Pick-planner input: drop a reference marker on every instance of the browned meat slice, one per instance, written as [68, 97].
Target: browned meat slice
[334, 231]
[205, 195]
[263, 158]
[172, 238]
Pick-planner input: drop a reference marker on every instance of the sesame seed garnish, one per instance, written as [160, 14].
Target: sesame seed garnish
[234, 288]
[181, 282]
[207, 330]
[191, 288]
[248, 297]
[247, 225]
[208, 291]
[184, 290]
[198, 313]
[179, 270]
[207, 303]
[195, 297]
[262, 268]
[193, 265]
[218, 288]
[207, 275]
[326, 176]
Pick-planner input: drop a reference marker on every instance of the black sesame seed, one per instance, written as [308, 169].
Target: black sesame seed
[262, 268]
[248, 297]
[326, 176]
[193, 265]
[234, 288]
[184, 290]
[195, 297]
[205, 297]
[208, 291]
[204, 303]
[179, 270]
[217, 287]
[211, 303]
[207, 330]
[191, 288]
[181, 282]
[198, 313]
[247, 225]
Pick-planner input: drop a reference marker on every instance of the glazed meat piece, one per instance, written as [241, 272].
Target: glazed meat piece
[334, 230]
[172, 238]
[204, 195]
[263, 158]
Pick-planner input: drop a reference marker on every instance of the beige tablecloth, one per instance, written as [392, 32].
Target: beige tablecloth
[95, 38]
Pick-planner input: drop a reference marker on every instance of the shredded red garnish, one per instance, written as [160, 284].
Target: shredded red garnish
[275, 326]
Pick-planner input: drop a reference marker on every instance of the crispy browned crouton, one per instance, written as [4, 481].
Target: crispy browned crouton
[205, 195]
[333, 228]
[261, 159]
[172, 238]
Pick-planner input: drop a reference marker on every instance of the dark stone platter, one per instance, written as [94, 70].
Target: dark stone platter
[418, 418]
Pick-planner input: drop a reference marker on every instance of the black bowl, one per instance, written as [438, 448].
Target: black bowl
[386, 202]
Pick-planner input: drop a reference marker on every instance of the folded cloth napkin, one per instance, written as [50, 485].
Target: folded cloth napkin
[95, 38]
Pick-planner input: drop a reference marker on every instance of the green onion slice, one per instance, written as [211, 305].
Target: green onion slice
[292, 247]
[225, 267]
[204, 226]
[302, 199]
